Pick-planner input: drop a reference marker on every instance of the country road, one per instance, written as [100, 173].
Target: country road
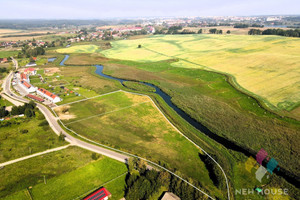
[52, 120]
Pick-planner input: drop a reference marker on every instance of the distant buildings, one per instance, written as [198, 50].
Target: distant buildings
[30, 71]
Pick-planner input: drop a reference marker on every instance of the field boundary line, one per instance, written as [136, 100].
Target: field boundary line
[108, 112]
[132, 155]
[187, 139]
[88, 192]
[89, 98]
[33, 155]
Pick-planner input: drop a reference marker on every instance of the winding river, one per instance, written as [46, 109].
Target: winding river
[225, 142]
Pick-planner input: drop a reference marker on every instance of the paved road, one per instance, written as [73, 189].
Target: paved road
[52, 120]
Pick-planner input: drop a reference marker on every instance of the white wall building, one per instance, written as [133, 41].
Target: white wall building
[48, 95]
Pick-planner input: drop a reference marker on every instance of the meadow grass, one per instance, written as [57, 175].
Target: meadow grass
[80, 49]
[131, 123]
[69, 173]
[264, 65]
[4, 102]
[23, 174]
[5, 54]
[16, 144]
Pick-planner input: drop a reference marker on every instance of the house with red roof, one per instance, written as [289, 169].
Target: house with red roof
[27, 87]
[30, 71]
[100, 194]
[24, 77]
[48, 95]
[3, 60]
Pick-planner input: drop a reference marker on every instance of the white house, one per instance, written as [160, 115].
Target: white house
[48, 95]
[30, 71]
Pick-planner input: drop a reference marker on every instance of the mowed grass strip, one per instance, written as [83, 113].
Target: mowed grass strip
[264, 65]
[79, 49]
[69, 173]
[140, 130]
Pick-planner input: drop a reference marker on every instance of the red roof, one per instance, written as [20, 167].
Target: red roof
[46, 92]
[26, 84]
[99, 194]
[23, 76]
[35, 97]
[34, 58]
[29, 69]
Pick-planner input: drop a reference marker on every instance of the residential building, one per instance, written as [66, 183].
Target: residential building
[48, 95]
[30, 71]
[170, 196]
[27, 87]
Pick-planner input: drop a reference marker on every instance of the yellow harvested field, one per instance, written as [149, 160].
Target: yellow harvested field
[268, 66]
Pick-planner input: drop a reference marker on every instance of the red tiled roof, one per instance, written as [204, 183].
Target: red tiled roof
[46, 92]
[23, 76]
[26, 84]
[35, 97]
[29, 69]
[99, 194]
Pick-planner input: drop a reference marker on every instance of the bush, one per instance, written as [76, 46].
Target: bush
[44, 123]
[24, 131]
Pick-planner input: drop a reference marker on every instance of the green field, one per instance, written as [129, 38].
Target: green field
[267, 66]
[132, 123]
[69, 173]
[5, 54]
[16, 143]
[80, 49]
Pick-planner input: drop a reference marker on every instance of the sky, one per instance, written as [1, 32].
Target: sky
[102, 9]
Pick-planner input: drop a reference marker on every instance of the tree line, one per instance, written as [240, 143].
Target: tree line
[240, 25]
[28, 109]
[281, 32]
[141, 183]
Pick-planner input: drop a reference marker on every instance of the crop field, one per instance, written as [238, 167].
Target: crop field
[131, 122]
[80, 49]
[267, 66]
[68, 174]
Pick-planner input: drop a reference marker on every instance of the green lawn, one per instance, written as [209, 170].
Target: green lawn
[4, 102]
[15, 144]
[69, 173]
[130, 122]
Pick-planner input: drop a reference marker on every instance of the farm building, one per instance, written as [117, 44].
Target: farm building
[35, 98]
[30, 71]
[100, 194]
[48, 95]
[170, 196]
[27, 87]
[31, 64]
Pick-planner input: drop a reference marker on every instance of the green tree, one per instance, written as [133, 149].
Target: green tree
[228, 32]
[200, 31]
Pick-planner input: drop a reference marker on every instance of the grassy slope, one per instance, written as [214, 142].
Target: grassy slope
[156, 72]
[80, 49]
[140, 130]
[69, 174]
[255, 61]
[15, 144]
